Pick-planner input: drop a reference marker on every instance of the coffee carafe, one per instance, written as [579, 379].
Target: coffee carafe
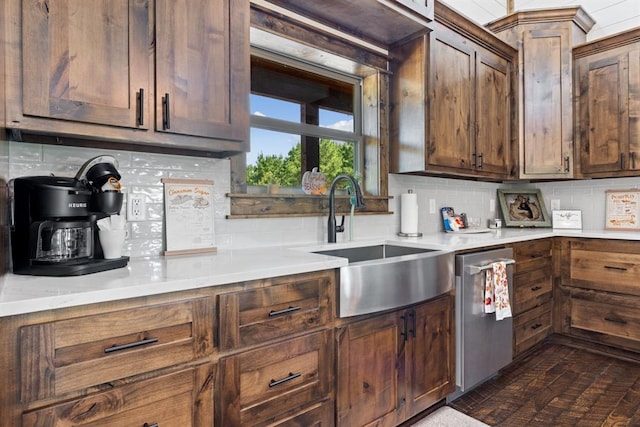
[54, 218]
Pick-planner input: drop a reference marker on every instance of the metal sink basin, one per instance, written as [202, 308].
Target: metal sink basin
[384, 277]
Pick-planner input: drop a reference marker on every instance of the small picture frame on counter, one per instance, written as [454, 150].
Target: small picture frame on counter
[523, 208]
[567, 219]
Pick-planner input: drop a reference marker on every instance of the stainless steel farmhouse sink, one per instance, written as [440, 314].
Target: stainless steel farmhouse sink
[387, 276]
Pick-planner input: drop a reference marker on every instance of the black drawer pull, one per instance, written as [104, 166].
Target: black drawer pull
[289, 377]
[536, 326]
[150, 425]
[536, 288]
[615, 320]
[166, 114]
[283, 311]
[116, 347]
[140, 99]
[613, 267]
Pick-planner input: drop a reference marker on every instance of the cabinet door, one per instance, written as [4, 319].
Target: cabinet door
[179, 399]
[451, 111]
[202, 68]
[547, 122]
[86, 61]
[370, 368]
[603, 115]
[493, 114]
[431, 360]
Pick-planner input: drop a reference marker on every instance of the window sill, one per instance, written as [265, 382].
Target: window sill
[244, 206]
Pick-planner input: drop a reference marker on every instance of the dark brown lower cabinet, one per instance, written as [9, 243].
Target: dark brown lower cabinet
[395, 365]
[280, 384]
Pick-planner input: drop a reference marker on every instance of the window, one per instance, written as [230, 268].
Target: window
[302, 117]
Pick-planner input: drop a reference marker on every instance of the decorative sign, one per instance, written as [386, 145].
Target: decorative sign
[567, 219]
[188, 216]
[622, 210]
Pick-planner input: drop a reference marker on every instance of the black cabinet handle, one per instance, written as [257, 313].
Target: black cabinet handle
[613, 267]
[473, 165]
[283, 311]
[116, 347]
[621, 160]
[289, 377]
[566, 164]
[536, 288]
[140, 100]
[166, 114]
[414, 322]
[615, 320]
[632, 156]
[536, 326]
[150, 425]
[405, 332]
[480, 161]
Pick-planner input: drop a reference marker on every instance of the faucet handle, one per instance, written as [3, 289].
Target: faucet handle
[340, 228]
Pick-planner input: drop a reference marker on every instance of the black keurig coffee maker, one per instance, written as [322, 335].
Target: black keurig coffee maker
[54, 229]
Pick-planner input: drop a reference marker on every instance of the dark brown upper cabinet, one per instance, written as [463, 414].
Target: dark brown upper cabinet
[161, 75]
[607, 90]
[544, 39]
[452, 101]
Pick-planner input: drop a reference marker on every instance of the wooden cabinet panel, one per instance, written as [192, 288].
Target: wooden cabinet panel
[180, 399]
[262, 384]
[532, 289]
[368, 384]
[493, 108]
[547, 94]
[531, 327]
[290, 305]
[451, 112]
[70, 355]
[605, 270]
[87, 61]
[462, 80]
[412, 367]
[604, 318]
[431, 359]
[608, 105]
[202, 66]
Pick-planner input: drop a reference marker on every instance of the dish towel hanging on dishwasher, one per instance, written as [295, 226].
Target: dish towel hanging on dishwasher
[496, 291]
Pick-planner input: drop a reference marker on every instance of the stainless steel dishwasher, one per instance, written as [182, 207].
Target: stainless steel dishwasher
[483, 344]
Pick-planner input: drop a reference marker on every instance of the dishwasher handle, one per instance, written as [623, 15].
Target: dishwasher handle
[475, 269]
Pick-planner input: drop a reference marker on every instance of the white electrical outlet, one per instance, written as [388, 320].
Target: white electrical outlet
[432, 206]
[492, 205]
[136, 208]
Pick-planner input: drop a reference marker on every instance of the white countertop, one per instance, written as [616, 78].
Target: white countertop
[156, 275]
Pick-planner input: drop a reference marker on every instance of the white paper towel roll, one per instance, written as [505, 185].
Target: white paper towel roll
[409, 213]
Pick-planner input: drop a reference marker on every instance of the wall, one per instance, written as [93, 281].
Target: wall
[142, 172]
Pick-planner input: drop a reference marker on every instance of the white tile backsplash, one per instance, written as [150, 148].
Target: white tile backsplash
[142, 174]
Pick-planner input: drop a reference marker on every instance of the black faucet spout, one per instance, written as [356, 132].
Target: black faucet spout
[331, 226]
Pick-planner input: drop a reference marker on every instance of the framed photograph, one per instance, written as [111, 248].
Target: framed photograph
[622, 210]
[567, 219]
[523, 208]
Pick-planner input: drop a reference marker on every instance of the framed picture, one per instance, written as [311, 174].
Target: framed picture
[622, 210]
[523, 208]
[568, 219]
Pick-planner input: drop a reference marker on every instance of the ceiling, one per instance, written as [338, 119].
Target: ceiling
[611, 16]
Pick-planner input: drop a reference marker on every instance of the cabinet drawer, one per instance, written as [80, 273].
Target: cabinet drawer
[531, 327]
[615, 320]
[256, 316]
[168, 400]
[606, 270]
[265, 383]
[71, 355]
[532, 255]
[531, 289]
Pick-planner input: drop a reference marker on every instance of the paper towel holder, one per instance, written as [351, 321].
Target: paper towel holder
[417, 234]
